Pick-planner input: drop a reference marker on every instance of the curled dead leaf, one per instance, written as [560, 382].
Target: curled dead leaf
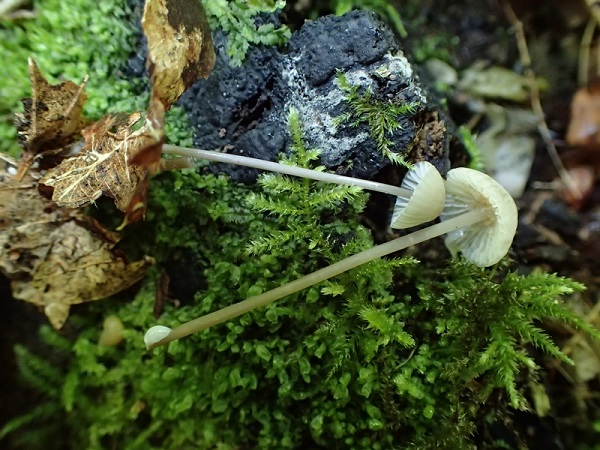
[584, 126]
[180, 48]
[136, 210]
[149, 156]
[80, 267]
[584, 179]
[52, 119]
[26, 222]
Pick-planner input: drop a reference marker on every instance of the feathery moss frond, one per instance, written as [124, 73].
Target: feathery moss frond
[498, 318]
[237, 19]
[476, 161]
[381, 116]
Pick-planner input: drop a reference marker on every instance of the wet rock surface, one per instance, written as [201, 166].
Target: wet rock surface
[244, 110]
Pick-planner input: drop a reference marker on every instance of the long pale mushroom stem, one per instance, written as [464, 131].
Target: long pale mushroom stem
[237, 309]
[287, 170]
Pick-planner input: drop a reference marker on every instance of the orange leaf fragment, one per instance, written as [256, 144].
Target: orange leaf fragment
[584, 126]
[584, 178]
[583, 135]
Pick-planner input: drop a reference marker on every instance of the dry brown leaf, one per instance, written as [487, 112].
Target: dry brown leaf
[162, 294]
[103, 165]
[180, 48]
[150, 155]
[26, 222]
[136, 210]
[52, 119]
[583, 135]
[149, 159]
[80, 267]
[56, 257]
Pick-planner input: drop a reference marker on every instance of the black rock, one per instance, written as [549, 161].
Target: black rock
[332, 43]
[244, 110]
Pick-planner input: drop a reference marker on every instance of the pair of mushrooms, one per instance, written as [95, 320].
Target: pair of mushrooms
[477, 214]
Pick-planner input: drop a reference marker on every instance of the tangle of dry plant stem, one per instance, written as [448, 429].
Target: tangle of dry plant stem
[536, 105]
[585, 47]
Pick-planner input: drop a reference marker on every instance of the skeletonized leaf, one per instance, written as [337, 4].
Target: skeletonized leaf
[52, 118]
[103, 165]
[180, 48]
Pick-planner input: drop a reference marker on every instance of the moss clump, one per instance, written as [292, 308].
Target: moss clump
[237, 18]
[390, 354]
[382, 116]
[68, 40]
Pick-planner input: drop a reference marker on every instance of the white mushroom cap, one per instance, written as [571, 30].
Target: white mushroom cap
[488, 241]
[155, 334]
[427, 200]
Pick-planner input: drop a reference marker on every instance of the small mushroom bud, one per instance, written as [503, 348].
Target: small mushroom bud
[156, 334]
[112, 332]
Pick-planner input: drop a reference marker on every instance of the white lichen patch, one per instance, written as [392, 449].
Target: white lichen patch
[320, 107]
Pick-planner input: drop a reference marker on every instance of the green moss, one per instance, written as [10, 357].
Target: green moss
[476, 161]
[386, 10]
[436, 46]
[390, 354]
[68, 40]
[380, 115]
[237, 19]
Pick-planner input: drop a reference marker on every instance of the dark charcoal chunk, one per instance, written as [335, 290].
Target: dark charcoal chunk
[244, 110]
[331, 44]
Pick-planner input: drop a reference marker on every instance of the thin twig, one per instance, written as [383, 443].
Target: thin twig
[594, 9]
[584, 52]
[536, 105]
